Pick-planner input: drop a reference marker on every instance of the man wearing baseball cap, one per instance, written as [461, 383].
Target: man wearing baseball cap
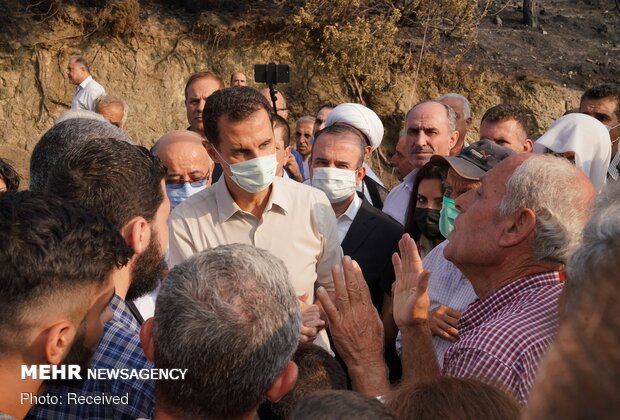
[365, 120]
[449, 291]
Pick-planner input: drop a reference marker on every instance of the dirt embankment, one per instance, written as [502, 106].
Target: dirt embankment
[158, 47]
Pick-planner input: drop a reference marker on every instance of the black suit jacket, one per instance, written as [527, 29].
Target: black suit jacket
[371, 240]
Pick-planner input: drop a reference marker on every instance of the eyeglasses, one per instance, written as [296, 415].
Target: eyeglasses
[179, 183]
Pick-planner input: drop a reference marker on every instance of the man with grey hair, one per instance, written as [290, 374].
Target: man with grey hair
[462, 109]
[430, 130]
[61, 139]
[114, 109]
[511, 239]
[583, 360]
[304, 128]
[240, 328]
[87, 90]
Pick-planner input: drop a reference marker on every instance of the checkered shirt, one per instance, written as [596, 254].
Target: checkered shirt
[119, 348]
[504, 336]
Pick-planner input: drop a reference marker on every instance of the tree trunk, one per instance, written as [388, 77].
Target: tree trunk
[530, 13]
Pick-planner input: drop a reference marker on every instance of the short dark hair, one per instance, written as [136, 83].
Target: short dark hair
[326, 105]
[202, 75]
[60, 139]
[9, 175]
[236, 103]
[342, 128]
[606, 90]
[50, 250]
[114, 178]
[318, 371]
[338, 404]
[503, 112]
[278, 121]
[448, 397]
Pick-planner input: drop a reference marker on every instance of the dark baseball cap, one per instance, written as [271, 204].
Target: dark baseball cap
[475, 159]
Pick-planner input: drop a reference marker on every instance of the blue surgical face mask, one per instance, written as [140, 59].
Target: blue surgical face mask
[179, 193]
[447, 216]
[253, 175]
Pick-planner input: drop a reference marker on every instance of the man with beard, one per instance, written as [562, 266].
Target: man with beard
[124, 183]
[51, 288]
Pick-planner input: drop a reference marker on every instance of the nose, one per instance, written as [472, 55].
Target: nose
[201, 105]
[461, 202]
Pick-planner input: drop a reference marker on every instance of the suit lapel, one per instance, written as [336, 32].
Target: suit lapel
[362, 225]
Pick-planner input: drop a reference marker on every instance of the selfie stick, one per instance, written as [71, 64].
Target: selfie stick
[271, 82]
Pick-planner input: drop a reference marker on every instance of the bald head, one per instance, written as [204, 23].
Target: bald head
[184, 155]
[280, 102]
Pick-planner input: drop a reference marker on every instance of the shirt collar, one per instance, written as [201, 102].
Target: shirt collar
[409, 178]
[482, 309]
[86, 81]
[227, 207]
[353, 208]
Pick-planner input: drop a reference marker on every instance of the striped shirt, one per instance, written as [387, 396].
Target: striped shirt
[504, 336]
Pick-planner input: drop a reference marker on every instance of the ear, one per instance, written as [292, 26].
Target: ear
[528, 145]
[359, 175]
[468, 121]
[518, 228]
[146, 339]
[137, 234]
[210, 150]
[58, 341]
[283, 383]
[287, 153]
[454, 137]
[367, 152]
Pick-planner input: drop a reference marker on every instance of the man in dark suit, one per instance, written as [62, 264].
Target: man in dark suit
[366, 234]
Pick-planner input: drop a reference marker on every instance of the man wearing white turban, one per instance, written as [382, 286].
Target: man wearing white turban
[581, 139]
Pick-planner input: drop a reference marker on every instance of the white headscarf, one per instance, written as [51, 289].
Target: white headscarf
[584, 135]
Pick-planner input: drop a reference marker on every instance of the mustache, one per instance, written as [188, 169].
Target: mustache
[421, 149]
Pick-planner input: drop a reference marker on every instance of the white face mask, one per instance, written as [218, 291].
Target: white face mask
[609, 128]
[337, 184]
[253, 175]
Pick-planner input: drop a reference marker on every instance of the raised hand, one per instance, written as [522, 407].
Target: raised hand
[411, 301]
[356, 328]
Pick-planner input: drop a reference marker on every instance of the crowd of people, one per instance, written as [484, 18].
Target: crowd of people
[270, 264]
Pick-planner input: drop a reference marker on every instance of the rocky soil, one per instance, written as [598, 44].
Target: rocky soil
[543, 69]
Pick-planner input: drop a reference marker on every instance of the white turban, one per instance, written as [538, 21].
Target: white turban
[360, 117]
[584, 135]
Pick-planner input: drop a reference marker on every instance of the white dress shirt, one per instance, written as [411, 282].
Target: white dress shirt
[345, 220]
[86, 93]
[397, 201]
[298, 226]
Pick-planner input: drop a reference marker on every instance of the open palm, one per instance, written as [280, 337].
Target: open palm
[411, 301]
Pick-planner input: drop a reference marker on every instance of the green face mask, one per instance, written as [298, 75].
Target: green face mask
[446, 217]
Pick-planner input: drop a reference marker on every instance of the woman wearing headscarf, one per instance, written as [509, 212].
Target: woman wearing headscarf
[581, 139]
